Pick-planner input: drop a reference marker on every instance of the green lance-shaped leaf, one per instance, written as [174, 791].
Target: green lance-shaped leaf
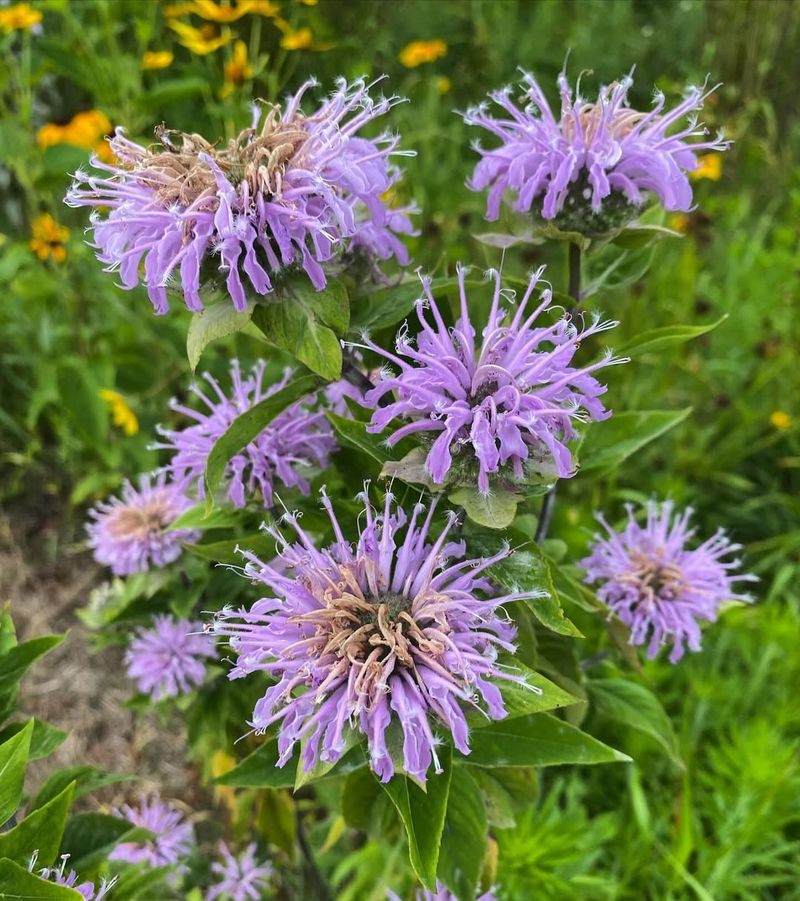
[464, 838]
[668, 336]
[13, 759]
[351, 433]
[608, 444]
[637, 707]
[423, 814]
[218, 320]
[16, 660]
[87, 779]
[538, 695]
[44, 740]
[248, 425]
[90, 837]
[40, 831]
[308, 324]
[17, 884]
[536, 740]
[260, 770]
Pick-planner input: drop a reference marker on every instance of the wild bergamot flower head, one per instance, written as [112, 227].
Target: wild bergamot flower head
[239, 878]
[167, 659]
[650, 577]
[173, 835]
[504, 406]
[292, 190]
[397, 634]
[294, 442]
[592, 166]
[131, 533]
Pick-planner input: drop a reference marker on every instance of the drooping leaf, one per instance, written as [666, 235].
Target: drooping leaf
[86, 778]
[260, 770]
[537, 695]
[635, 706]
[308, 324]
[608, 444]
[354, 434]
[218, 320]
[39, 831]
[423, 814]
[537, 740]
[497, 801]
[410, 469]
[13, 760]
[250, 424]
[464, 836]
[363, 802]
[669, 335]
[17, 884]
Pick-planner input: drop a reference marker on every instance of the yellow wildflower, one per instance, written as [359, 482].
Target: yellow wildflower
[19, 17]
[679, 222]
[300, 39]
[443, 84]
[309, 2]
[83, 130]
[221, 763]
[225, 13]
[121, 414]
[177, 9]
[238, 70]
[202, 41]
[780, 420]
[710, 167]
[48, 238]
[419, 52]
[157, 59]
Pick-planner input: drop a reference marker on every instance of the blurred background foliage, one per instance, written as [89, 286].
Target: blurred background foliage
[86, 369]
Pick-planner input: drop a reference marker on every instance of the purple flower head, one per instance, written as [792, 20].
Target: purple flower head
[291, 190]
[130, 533]
[173, 840]
[592, 168]
[294, 440]
[389, 634]
[167, 659]
[441, 894]
[69, 878]
[651, 580]
[241, 878]
[508, 404]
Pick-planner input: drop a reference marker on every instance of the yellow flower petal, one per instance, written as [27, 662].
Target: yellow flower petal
[710, 166]
[19, 17]
[300, 39]
[48, 237]
[201, 41]
[121, 414]
[780, 420]
[418, 52]
[157, 59]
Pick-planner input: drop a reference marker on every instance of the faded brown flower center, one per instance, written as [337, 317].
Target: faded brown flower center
[137, 523]
[178, 175]
[590, 115]
[373, 634]
[655, 578]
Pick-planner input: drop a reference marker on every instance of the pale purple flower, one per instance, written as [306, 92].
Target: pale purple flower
[241, 878]
[441, 894]
[656, 585]
[131, 533]
[296, 439]
[173, 840]
[594, 166]
[505, 406]
[294, 190]
[388, 633]
[167, 659]
[69, 878]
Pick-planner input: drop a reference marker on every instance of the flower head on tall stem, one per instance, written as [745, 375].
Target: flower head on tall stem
[387, 635]
[166, 659]
[173, 839]
[295, 440]
[292, 190]
[659, 587]
[507, 405]
[240, 878]
[131, 533]
[591, 168]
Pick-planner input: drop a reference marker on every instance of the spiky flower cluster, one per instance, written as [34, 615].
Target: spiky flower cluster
[590, 169]
[654, 583]
[131, 533]
[173, 839]
[293, 189]
[441, 894]
[507, 405]
[295, 440]
[167, 659]
[390, 636]
[69, 878]
[240, 878]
